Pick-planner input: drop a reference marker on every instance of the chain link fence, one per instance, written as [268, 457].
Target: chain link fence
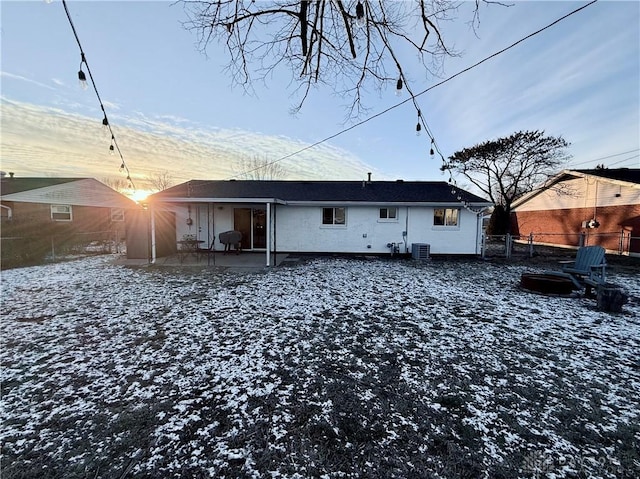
[32, 250]
[507, 246]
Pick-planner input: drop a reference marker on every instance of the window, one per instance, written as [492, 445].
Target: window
[388, 213]
[117, 214]
[445, 217]
[61, 213]
[333, 216]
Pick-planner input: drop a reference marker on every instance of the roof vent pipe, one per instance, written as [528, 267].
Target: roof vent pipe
[369, 177]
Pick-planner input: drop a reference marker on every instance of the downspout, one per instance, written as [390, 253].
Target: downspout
[268, 234]
[478, 231]
[406, 231]
[153, 236]
[9, 211]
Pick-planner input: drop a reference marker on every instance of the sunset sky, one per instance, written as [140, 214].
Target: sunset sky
[173, 109]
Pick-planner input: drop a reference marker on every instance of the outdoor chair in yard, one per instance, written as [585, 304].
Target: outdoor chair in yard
[588, 269]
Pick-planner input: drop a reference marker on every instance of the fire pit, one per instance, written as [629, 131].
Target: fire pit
[546, 283]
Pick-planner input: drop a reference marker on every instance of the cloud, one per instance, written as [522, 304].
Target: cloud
[40, 141]
[25, 79]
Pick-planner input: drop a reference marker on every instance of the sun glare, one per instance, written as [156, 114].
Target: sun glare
[139, 195]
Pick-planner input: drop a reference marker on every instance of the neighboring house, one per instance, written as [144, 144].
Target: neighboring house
[320, 216]
[56, 213]
[584, 207]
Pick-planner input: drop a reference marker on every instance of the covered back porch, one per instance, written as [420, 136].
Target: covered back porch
[204, 221]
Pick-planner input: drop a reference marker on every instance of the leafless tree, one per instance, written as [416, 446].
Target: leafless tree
[119, 184]
[259, 168]
[347, 44]
[160, 180]
[506, 168]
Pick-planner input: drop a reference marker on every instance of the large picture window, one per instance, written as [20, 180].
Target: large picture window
[445, 216]
[61, 213]
[333, 216]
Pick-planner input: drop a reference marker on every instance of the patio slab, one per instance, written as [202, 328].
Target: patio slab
[240, 261]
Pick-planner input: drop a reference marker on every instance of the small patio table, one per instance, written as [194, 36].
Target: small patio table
[188, 247]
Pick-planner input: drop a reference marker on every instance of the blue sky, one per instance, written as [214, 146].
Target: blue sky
[174, 109]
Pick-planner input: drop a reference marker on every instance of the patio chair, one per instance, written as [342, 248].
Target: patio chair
[210, 252]
[231, 238]
[588, 269]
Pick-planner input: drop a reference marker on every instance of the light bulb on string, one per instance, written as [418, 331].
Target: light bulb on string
[399, 87]
[111, 149]
[431, 151]
[82, 79]
[122, 166]
[361, 20]
[418, 128]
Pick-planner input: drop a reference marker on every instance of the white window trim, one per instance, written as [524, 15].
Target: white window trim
[333, 225]
[117, 213]
[388, 220]
[446, 227]
[53, 207]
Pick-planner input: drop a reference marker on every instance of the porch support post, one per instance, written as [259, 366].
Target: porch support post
[268, 234]
[153, 236]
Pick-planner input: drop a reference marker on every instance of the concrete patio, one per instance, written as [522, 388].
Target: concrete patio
[245, 260]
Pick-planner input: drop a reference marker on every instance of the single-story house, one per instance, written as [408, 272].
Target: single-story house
[59, 212]
[584, 207]
[370, 217]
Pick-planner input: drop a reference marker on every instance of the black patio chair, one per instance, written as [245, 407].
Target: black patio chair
[210, 252]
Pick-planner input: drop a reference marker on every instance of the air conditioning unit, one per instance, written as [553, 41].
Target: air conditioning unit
[420, 251]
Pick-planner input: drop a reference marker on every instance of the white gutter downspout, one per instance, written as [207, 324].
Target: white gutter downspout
[9, 211]
[406, 232]
[268, 234]
[153, 237]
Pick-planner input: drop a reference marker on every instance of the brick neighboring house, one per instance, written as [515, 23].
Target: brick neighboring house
[44, 215]
[575, 207]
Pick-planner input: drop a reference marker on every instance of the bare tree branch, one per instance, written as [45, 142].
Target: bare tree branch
[322, 42]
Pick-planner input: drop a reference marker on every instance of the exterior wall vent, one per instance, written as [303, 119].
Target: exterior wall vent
[420, 251]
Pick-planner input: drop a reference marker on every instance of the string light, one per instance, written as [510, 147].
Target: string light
[361, 20]
[431, 151]
[399, 87]
[82, 78]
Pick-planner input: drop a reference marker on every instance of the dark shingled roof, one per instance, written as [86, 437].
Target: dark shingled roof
[10, 185]
[632, 175]
[347, 191]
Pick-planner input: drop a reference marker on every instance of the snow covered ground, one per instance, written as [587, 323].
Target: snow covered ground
[327, 368]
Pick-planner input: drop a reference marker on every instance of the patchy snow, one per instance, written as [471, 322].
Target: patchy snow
[327, 368]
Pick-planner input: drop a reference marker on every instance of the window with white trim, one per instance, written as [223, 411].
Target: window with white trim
[388, 214]
[334, 216]
[61, 213]
[117, 215]
[446, 216]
